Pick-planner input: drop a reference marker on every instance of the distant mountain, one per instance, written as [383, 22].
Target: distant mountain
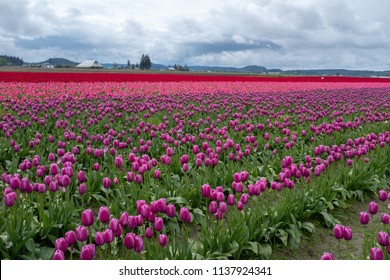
[59, 62]
[339, 72]
[246, 69]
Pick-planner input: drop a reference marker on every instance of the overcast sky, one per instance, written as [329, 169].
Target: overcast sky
[287, 34]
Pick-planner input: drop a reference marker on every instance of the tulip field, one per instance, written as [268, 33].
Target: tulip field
[112, 166]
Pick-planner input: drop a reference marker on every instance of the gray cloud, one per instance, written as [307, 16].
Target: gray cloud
[272, 33]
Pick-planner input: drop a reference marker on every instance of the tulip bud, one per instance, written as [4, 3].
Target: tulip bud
[104, 214]
[148, 233]
[373, 208]
[99, 239]
[129, 240]
[213, 206]
[106, 182]
[231, 199]
[61, 244]
[385, 218]
[185, 215]
[383, 238]
[327, 256]
[382, 195]
[376, 253]
[364, 218]
[70, 237]
[58, 255]
[170, 210]
[347, 233]
[158, 224]
[338, 231]
[162, 240]
[87, 218]
[138, 244]
[81, 233]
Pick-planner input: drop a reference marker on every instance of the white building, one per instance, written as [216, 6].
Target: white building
[89, 64]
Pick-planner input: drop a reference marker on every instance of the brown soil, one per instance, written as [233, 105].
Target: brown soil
[322, 240]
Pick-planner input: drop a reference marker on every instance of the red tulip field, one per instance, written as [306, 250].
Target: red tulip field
[114, 166]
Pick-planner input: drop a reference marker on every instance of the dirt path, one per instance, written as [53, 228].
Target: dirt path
[313, 246]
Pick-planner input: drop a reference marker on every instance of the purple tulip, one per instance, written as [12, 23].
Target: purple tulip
[70, 237]
[185, 215]
[385, 218]
[383, 238]
[118, 161]
[240, 205]
[81, 177]
[156, 174]
[373, 208]
[170, 210]
[213, 206]
[138, 244]
[347, 233]
[231, 199]
[87, 218]
[338, 231]
[99, 239]
[364, 218]
[53, 170]
[158, 224]
[138, 179]
[87, 252]
[106, 183]
[104, 214]
[148, 233]
[82, 188]
[376, 253]
[162, 240]
[108, 236]
[382, 195]
[9, 199]
[81, 233]
[129, 240]
[114, 224]
[61, 244]
[327, 256]
[145, 211]
[58, 255]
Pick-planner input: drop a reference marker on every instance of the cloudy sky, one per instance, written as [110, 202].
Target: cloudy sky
[286, 34]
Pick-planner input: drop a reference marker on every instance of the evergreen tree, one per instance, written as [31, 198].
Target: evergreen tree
[145, 62]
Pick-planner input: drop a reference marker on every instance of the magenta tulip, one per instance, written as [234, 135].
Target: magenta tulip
[364, 218]
[58, 255]
[185, 215]
[162, 240]
[327, 256]
[383, 238]
[373, 208]
[61, 244]
[376, 253]
[104, 214]
[338, 231]
[87, 218]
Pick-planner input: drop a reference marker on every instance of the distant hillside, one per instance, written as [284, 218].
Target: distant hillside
[59, 62]
[246, 69]
[6, 60]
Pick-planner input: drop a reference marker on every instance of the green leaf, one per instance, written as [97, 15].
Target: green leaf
[308, 226]
[30, 245]
[46, 253]
[265, 251]
[294, 237]
[283, 236]
[253, 246]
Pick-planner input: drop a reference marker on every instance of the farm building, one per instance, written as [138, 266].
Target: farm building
[89, 64]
